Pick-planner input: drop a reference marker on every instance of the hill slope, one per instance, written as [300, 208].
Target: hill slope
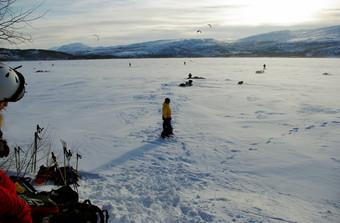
[321, 42]
[326, 34]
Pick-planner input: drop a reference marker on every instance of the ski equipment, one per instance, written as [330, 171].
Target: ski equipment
[68, 155]
[57, 166]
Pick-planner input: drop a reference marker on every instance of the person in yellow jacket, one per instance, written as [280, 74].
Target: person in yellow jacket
[166, 116]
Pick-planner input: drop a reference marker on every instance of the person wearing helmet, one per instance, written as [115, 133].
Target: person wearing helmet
[12, 89]
[12, 208]
[166, 116]
[12, 84]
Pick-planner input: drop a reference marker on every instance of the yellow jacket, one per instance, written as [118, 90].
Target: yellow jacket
[166, 110]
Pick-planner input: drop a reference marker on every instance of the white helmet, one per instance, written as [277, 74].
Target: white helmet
[12, 84]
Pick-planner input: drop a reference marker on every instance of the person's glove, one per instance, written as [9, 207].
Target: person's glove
[4, 149]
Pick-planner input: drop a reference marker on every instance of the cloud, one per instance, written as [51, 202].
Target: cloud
[330, 16]
[130, 21]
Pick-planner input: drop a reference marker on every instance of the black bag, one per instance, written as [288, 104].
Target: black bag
[39, 203]
[42, 208]
[62, 195]
[80, 212]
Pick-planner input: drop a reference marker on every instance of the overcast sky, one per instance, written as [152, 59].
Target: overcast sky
[120, 22]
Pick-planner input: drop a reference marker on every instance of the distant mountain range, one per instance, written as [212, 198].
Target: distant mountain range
[321, 42]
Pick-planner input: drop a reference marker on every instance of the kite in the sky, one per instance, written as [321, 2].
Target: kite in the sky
[199, 31]
[96, 36]
[210, 25]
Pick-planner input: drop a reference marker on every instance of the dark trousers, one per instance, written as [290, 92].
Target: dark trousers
[167, 128]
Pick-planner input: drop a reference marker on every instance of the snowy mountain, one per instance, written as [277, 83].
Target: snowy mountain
[326, 34]
[321, 42]
[74, 47]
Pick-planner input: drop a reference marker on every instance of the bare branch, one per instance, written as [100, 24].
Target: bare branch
[12, 22]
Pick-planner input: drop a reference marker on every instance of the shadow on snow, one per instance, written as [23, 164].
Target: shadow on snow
[128, 156]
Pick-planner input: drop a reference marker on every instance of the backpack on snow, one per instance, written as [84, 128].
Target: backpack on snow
[40, 204]
[80, 212]
[53, 173]
[45, 174]
[62, 195]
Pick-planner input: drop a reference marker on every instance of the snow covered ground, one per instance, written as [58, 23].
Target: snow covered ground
[263, 151]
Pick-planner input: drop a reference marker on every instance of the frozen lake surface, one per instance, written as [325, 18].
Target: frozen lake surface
[263, 151]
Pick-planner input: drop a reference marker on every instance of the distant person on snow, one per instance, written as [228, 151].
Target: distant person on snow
[188, 83]
[189, 76]
[264, 66]
[166, 116]
[12, 208]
